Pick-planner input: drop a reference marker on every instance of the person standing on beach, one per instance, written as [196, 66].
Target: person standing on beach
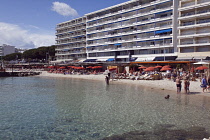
[204, 83]
[107, 80]
[178, 84]
[186, 85]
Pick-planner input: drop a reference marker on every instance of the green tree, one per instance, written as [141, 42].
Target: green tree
[40, 53]
[13, 56]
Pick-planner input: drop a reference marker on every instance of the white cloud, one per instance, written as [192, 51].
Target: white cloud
[64, 9]
[14, 35]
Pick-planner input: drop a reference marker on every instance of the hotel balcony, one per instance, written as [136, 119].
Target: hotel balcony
[195, 43]
[193, 5]
[121, 11]
[69, 31]
[131, 47]
[63, 37]
[193, 24]
[206, 33]
[75, 22]
[139, 21]
[193, 15]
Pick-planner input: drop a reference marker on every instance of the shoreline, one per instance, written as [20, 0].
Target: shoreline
[164, 84]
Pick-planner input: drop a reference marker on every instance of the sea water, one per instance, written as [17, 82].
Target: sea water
[75, 109]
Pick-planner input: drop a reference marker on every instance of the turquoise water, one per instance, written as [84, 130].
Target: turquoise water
[73, 109]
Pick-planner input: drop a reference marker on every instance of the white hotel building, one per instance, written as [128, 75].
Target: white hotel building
[71, 40]
[194, 29]
[137, 30]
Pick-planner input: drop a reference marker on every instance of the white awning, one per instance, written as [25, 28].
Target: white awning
[81, 60]
[67, 60]
[101, 59]
[150, 58]
[199, 57]
[184, 58]
[57, 61]
[201, 62]
[142, 59]
[123, 56]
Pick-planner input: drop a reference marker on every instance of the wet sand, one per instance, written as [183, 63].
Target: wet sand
[164, 84]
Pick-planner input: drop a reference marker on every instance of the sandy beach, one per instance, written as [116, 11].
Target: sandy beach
[164, 84]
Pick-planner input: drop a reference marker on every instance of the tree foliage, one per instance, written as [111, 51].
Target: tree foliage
[40, 53]
[13, 56]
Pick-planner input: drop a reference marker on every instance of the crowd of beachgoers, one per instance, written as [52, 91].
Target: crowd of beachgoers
[170, 79]
[166, 77]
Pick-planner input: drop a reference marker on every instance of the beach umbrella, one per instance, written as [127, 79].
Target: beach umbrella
[62, 67]
[165, 69]
[51, 67]
[89, 67]
[97, 67]
[81, 68]
[142, 67]
[158, 66]
[201, 62]
[70, 66]
[150, 69]
[201, 68]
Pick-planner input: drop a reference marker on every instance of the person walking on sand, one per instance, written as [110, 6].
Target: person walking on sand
[204, 83]
[178, 84]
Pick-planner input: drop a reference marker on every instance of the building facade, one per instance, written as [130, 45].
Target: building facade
[194, 29]
[71, 40]
[138, 30]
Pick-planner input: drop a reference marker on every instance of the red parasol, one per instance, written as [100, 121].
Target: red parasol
[158, 66]
[62, 67]
[97, 67]
[89, 67]
[70, 66]
[51, 67]
[150, 69]
[201, 68]
[166, 66]
[165, 69]
[142, 67]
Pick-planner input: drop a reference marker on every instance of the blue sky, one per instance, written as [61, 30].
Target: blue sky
[31, 23]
